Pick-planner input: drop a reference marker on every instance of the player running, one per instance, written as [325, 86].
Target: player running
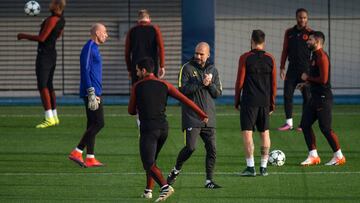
[295, 49]
[148, 99]
[199, 81]
[256, 80]
[320, 105]
[51, 29]
[90, 91]
[144, 40]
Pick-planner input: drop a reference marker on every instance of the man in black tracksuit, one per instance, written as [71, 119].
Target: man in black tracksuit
[199, 81]
[296, 51]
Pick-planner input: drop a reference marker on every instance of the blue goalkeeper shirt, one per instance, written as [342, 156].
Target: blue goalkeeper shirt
[90, 69]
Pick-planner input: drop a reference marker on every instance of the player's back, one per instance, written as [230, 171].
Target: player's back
[257, 83]
[151, 100]
[143, 42]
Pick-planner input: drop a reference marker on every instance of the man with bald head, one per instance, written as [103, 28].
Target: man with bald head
[90, 91]
[199, 81]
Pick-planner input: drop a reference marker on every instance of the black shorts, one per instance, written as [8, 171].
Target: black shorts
[45, 68]
[251, 116]
[151, 142]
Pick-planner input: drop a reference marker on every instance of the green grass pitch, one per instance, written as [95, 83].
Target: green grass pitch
[34, 165]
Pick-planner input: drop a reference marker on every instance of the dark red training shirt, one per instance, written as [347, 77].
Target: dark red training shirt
[256, 79]
[296, 50]
[144, 40]
[319, 74]
[149, 99]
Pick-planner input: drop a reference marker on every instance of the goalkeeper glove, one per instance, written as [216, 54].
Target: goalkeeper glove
[93, 102]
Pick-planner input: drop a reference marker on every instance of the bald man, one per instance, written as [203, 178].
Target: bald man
[90, 91]
[199, 81]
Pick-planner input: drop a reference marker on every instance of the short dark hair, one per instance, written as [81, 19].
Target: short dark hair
[258, 36]
[318, 35]
[143, 13]
[146, 63]
[299, 10]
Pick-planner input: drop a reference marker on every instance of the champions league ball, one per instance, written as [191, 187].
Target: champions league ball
[277, 158]
[32, 8]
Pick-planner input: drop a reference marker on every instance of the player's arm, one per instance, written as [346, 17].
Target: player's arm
[127, 51]
[60, 34]
[160, 45]
[132, 101]
[186, 86]
[284, 53]
[323, 64]
[49, 26]
[215, 88]
[85, 66]
[182, 98]
[273, 86]
[240, 80]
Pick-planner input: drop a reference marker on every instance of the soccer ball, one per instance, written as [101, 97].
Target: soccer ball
[32, 8]
[277, 158]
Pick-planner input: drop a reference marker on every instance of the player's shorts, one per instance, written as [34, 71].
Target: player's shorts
[151, 142]
[45, 68]
[254, 116]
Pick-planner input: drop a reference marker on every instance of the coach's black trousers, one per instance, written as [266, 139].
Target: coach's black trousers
[95, 122]
[208, 136]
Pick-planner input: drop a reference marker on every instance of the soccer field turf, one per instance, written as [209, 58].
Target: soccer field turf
[34, 166]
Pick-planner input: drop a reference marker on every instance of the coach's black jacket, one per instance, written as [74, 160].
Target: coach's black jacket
[191, 84]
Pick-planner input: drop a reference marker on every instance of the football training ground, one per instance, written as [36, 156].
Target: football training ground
[34, 166]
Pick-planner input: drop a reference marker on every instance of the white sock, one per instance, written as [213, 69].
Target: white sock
[79, 150]
[207, 182]
[289, 121]
[263, 163]
[54, 112]
[338, 154]
[138, 122]
[49, 114]
[313, 153]
[250, 162]
[91, 156]
[176, 171]
[148, 190]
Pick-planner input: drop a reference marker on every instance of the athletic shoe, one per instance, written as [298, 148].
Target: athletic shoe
[147, 194]
[57, 121]
[172, 177]
[165, 193]
[310, 161]
[299, 129]
[77, 158]
[285, 127]
[263, 171]
[249, 172]
[336, 161]
[48, 122]
[92, 162]
[212, 185]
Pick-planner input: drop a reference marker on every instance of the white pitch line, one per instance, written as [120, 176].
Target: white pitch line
[169, 115]
[185, 173]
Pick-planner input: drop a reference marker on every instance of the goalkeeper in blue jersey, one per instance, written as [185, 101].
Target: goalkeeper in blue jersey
[90, 91]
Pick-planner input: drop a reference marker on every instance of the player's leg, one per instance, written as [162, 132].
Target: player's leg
[42, 75]
[262, 125]
[325, 119]
[52, 93]
[306, 95]
[308, 118]
[191, 135]
[97, 124]
[248, 117]
[209, 138]
[148, 149]
[289, 88]
[149, 180]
